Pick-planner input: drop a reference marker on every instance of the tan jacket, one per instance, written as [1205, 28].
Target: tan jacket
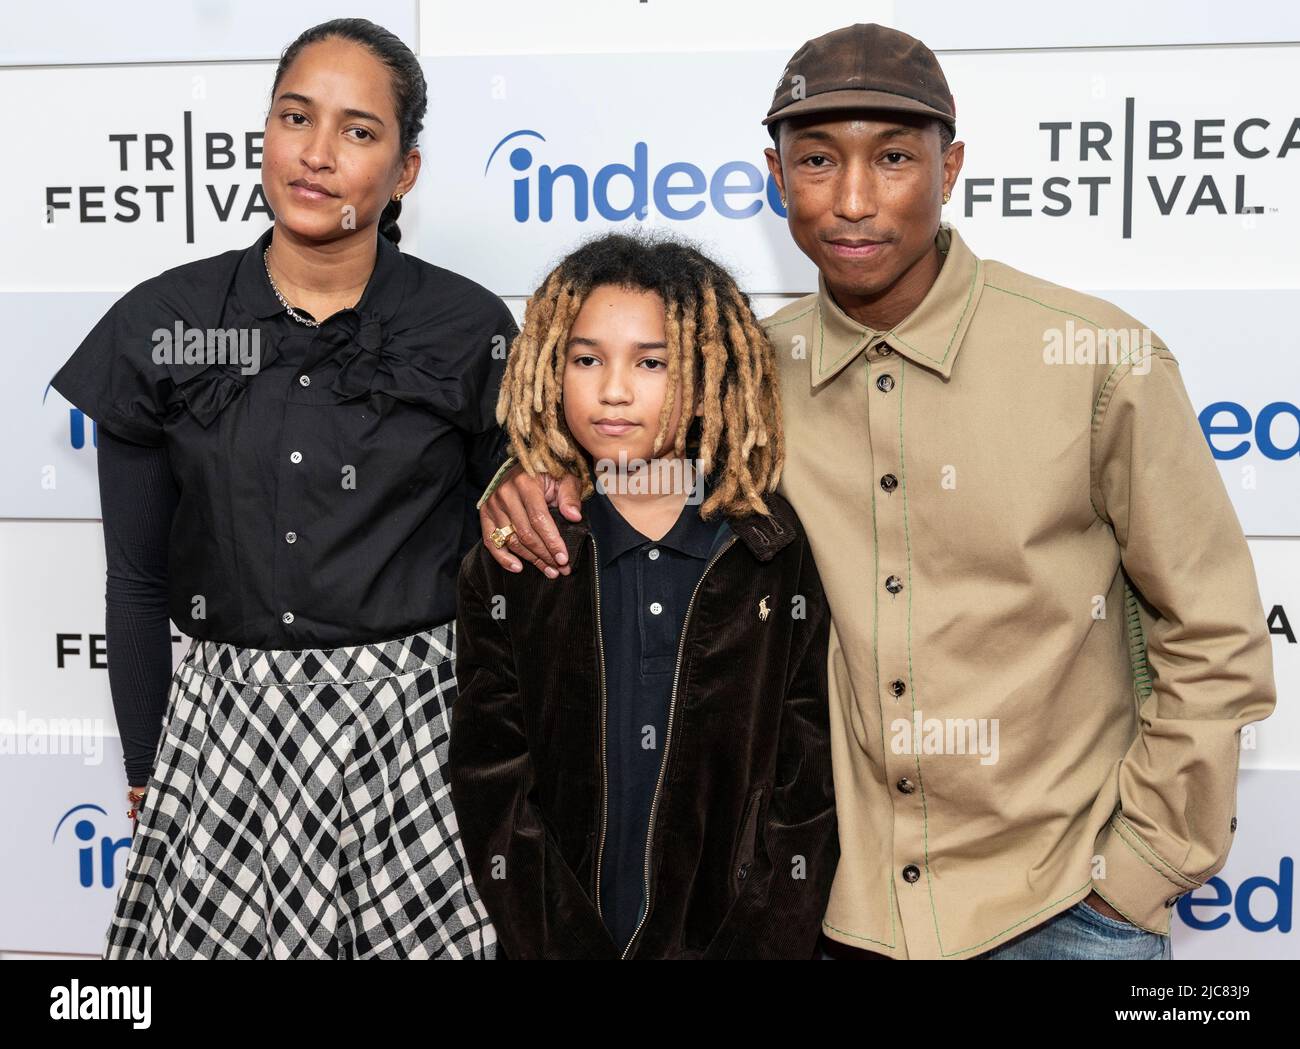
[1047, 628]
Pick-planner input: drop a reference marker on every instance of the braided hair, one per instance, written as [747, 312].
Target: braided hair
[718, 357]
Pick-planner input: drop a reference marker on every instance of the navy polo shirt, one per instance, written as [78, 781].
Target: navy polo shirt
[645, 586]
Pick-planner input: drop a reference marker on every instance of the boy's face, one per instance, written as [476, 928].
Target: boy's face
[616, 374]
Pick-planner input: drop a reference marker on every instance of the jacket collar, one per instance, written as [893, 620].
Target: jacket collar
[382, 297]
[931, 335]
[764, 536]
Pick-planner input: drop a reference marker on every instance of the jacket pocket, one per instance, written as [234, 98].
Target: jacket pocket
[748, 837]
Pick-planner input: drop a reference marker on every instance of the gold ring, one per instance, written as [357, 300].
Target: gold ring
[501, 536]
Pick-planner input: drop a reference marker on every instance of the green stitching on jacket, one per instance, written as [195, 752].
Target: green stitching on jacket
[821, 344]
[1137, 645]
[1177, 875]
[790, 320]
[875, 645]
[970, 294]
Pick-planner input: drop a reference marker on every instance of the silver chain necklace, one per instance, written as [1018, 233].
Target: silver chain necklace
[266, 259]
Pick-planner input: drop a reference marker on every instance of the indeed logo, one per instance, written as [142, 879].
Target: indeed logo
[77, 425]
[95, 850]
[1236, 421]
[1275, 896]
[678, 190]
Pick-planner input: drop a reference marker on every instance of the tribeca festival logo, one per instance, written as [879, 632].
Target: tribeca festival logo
[1181, 182]
[678, 190]
[162, 178]
[96, 852]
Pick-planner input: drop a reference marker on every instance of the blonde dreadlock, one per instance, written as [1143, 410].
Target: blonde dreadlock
[718, 356]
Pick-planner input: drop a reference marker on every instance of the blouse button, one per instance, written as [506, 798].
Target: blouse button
[656, 608]
[653, 555]
[287, 618]
[304, 380]
[295, 457]
[290, 537]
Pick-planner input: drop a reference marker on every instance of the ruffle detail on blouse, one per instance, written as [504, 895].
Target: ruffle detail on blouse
[375, 365]
[209, 388]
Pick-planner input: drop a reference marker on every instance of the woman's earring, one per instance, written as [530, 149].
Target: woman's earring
[397, 196]
[947, 197]
[784, 203]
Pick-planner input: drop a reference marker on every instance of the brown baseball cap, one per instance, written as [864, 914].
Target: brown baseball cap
[863, 66]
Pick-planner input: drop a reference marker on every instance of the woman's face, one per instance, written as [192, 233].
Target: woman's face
[331, 158]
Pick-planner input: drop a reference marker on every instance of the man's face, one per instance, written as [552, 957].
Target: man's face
[864, 192]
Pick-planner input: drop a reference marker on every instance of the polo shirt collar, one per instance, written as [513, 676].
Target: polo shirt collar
[931, 335]
[614, 536]
[381, 299]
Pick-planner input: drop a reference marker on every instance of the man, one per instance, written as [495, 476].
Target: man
[1047, 627]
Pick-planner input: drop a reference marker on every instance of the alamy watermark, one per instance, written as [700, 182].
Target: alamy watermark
[1087, 344]
[182, 345]
[631, 476]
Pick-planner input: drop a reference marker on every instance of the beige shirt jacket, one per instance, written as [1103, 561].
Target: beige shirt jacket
[1047, 633]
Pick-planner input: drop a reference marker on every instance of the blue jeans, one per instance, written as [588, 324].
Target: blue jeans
[1083, 933]
[1077, 933]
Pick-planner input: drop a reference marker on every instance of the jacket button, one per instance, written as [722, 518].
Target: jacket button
[889, 482]
[883, 350]
[742, 872]
[885, 383]
[906, 786]
[893, 584]
[898, 686]
[911, 873]
[1233, 825]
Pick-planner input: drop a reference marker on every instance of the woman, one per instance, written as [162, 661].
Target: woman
[290, 441]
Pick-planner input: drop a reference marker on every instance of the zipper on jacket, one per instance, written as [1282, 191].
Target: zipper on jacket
[604, 770]
[668, 737]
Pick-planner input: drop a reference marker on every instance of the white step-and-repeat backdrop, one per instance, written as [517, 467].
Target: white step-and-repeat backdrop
[1147, 153]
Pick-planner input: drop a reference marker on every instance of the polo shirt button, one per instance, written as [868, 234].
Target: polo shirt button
[885, 383]
[656, 608]
[653, 555]
[911, 873]
[290, 537]
[287, 618]
[295, 457]
[889, 482]
[905, 786]
[898, 686]
[893, 584]
[883, 350]
[304, 380]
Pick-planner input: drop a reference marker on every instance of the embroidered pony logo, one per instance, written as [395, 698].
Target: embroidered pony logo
[763, 610]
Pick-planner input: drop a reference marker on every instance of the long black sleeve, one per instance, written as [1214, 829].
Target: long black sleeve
[137, 497]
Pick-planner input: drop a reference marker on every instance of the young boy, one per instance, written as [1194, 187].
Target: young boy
[640, 752]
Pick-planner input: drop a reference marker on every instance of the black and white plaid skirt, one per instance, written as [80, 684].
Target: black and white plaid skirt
[298, 809]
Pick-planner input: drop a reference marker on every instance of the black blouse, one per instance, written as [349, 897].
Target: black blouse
[326, 498]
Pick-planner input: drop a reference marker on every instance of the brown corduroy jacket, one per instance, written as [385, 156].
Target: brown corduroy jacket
[743, 839]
